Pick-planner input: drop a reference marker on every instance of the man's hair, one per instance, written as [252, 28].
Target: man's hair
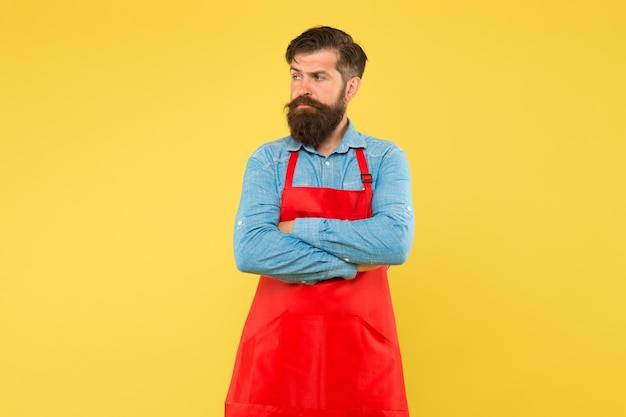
[351, 57]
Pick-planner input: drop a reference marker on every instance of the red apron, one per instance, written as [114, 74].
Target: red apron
[323, 350]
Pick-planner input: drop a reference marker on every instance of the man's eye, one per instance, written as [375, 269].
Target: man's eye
[319, 77]
[295, 76]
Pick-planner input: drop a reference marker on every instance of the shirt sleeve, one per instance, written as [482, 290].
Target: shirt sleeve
[261, 248]
[383, 239]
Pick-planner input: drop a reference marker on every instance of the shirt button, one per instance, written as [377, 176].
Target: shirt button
[347, 260]
[327, 163]
[240, 222]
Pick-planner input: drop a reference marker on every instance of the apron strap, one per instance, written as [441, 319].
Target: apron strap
[291, 167]
[366, 177]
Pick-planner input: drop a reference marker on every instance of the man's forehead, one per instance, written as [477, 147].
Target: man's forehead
[325, 59]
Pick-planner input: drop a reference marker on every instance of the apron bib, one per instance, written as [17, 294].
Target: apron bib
[323, 350]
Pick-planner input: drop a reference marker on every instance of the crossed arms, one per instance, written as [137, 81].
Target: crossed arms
[313, 249]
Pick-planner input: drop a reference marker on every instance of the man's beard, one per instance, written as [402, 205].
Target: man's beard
[312, 125]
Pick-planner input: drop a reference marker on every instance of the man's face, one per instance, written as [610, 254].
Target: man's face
[316, 75]
[317, 97]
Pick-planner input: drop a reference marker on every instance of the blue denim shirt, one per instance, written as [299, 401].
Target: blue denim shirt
[318, 248]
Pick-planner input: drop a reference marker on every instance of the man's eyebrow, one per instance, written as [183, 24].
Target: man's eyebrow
[322, 72]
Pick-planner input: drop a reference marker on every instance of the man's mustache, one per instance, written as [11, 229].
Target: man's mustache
[304, 100]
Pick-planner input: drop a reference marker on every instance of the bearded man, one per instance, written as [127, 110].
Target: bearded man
[323, 214]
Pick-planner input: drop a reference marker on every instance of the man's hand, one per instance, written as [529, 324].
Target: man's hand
[286, 227]
[364, 268]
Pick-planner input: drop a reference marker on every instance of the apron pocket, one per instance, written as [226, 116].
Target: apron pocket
[281, 362]
[320, 362]
[361, 366]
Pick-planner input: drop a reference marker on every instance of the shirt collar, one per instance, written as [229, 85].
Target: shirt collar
[351, 139]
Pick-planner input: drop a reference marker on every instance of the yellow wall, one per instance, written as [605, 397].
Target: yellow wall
[124, 130]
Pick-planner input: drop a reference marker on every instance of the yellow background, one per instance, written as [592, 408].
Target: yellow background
[124, 131]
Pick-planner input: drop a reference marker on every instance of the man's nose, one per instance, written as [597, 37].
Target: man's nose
[305, 87]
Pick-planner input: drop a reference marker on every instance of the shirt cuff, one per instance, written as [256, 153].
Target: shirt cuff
[344, 269]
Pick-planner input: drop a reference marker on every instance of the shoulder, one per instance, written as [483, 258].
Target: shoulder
[273, 152]
[380, 148]
[384, 157]
[372, 146]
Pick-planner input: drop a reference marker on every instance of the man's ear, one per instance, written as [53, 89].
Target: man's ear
[352, 87]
